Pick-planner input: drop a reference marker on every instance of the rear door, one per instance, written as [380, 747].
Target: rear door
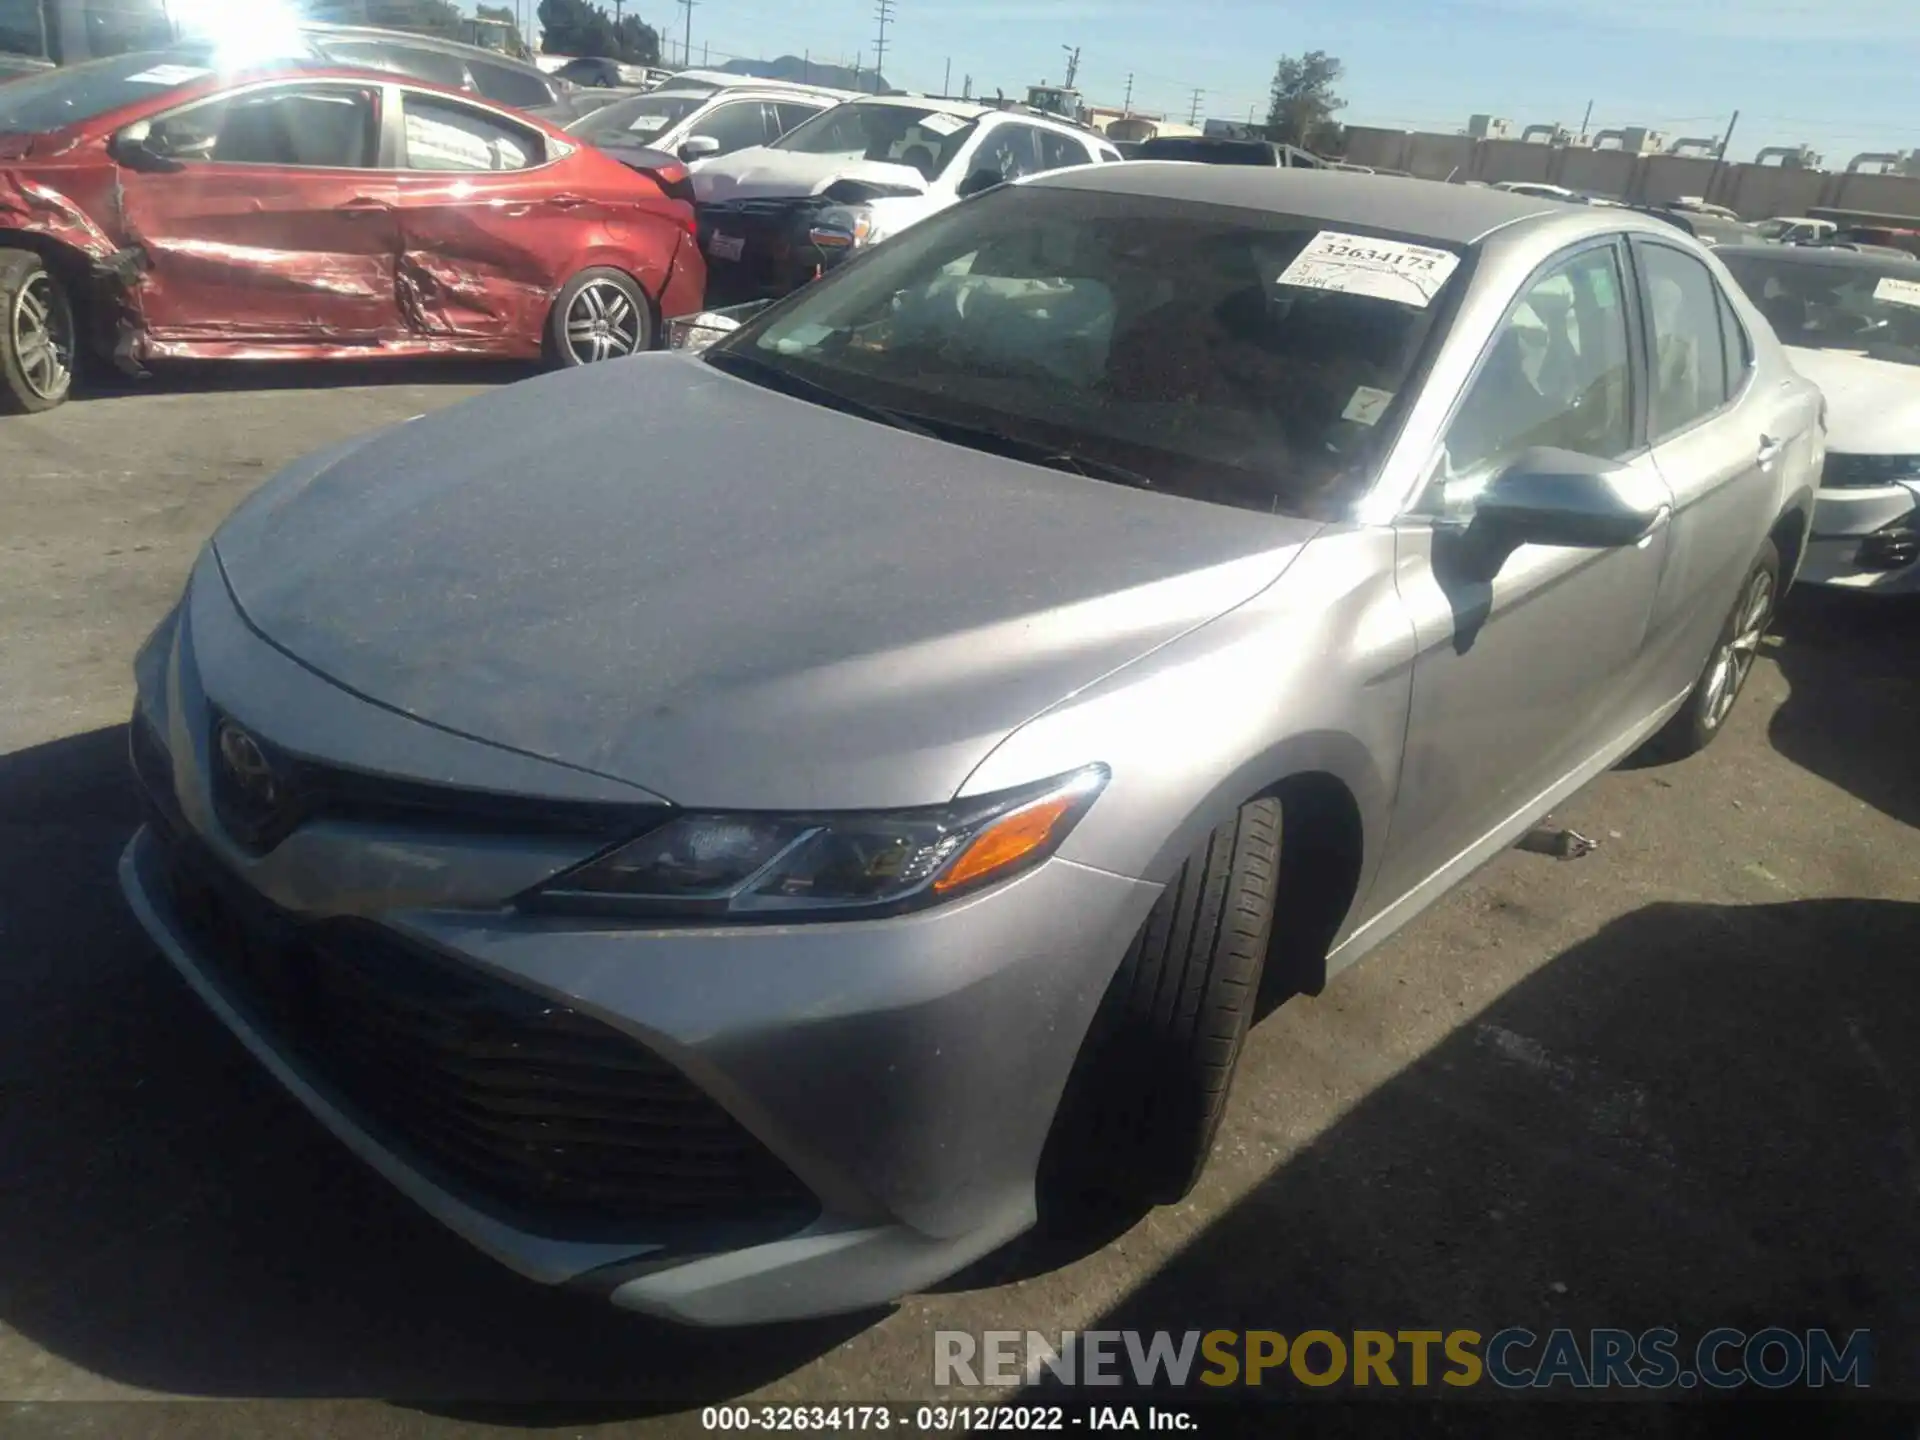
[1720, 440]
[277, 228]
[484, 222]
[1522, 679]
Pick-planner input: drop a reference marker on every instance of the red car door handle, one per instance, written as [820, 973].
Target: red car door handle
[364, 205]
[566, 202]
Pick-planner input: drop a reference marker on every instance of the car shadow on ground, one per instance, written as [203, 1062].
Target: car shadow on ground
[198, 377]
[170, 1220]
[1853, 718]
[1704, 1115]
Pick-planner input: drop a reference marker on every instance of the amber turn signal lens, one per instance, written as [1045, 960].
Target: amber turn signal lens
[1008, 840]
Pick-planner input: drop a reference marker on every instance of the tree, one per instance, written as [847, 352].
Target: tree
[575, 27]
[1303, 102]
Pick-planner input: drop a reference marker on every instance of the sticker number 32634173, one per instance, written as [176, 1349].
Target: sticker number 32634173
[1363, 265]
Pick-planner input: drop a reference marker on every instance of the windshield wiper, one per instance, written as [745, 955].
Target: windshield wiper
[778, 377]
[1034, 452]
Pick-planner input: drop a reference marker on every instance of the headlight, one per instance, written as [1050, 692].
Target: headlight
[827, 865]
[845, 227]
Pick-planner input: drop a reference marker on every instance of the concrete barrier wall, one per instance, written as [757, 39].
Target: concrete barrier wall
[1754, 191]
[1607, 173]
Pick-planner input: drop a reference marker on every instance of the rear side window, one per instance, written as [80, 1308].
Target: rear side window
[510, 86]
[1684, 318]
[1058, 151]
[445, 135]
[428, 65]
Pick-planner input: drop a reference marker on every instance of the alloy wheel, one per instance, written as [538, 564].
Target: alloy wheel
[41, 329]
[602, 323]
[1734, 660]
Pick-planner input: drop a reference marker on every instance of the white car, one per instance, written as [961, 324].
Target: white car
[1796, 230]
[1851, 322]
[698, 125]
[773, 216]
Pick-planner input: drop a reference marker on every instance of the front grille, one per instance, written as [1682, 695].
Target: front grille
[541, 1116]
[776, 257]
[1859, 472]
[308, 790]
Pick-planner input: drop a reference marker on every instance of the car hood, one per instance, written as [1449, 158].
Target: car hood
[1873, 406]
[762, 171]
[727, 596]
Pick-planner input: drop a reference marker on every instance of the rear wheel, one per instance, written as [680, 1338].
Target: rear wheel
[1695, 724]
[37, 334]
[1151, 1084]
[600, 314]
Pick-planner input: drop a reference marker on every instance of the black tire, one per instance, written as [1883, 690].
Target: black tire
[38, 338]
[1695, 724]
[1151, 1083]
[629, 333]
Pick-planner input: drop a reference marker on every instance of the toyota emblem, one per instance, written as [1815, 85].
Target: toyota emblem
[247, 764]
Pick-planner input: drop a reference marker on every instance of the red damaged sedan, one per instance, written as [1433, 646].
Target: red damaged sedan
[153, 207]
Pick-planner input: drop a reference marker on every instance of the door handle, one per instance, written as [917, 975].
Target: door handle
[566, 202]
[363, 205]
[1770, 449]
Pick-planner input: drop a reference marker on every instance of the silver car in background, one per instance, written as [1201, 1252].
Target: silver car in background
[746, 870]
[1851, 324]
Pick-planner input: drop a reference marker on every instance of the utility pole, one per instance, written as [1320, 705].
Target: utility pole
[806, 68]
[1193, 115]
[686, 45]
[946, 82]
[883, 11]
[1721, 155]
[1073, 65]
[966, 88]
[1127, 106]
[704, 45]
[1584, 119]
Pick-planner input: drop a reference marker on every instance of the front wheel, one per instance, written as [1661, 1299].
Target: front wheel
[1705, 712]
[1150, 1086]
[600, 314]
[37, 334]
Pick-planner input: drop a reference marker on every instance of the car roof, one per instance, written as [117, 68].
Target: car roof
[324, 30]
[1824, 255]
[1454, 214]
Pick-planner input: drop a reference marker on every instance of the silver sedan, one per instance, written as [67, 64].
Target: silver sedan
[859, 796]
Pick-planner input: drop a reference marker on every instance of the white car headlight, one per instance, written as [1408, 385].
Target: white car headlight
[845, 227]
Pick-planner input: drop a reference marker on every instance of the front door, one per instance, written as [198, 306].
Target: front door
[1519, 681]
[275, 229]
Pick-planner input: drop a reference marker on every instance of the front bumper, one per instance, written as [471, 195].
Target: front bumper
[760, 249]
[1866, 539]
[902, 1073]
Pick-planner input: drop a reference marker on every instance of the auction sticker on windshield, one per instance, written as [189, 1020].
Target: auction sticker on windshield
[1362, 265]
[1897, 292]
[940, 124]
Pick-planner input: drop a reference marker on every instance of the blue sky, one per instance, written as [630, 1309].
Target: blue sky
[1838, 74]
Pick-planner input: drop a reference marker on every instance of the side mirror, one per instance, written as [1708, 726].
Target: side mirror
[1561, 497]
[138, 148]
[699, 147]
[979, 181]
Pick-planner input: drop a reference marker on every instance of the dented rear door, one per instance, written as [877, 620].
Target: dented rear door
[486, 226]
[275, 230]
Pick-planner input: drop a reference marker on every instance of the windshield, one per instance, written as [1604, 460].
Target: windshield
[66, 96]
[1872, 309]
[865, 131]
[1164, 337]
[640, 118]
